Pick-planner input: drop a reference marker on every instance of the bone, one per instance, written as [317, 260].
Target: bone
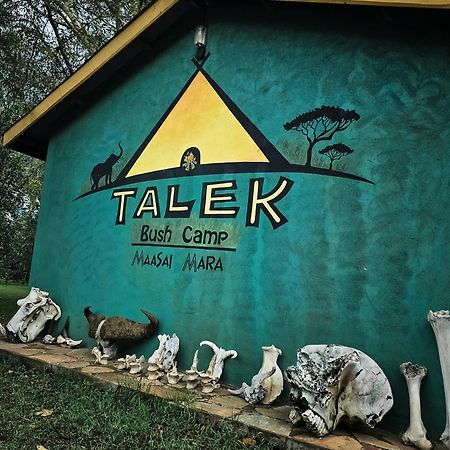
[153, 376]
[207, 388]
[440, 322]
[220, 355]
[173, 377]
[35, 310]
[64, 340]
[125, 363]
[107, 348]
[119, 328]
[122, 363]
[48, 339]
[137, 365]
[2, 332]
[194, 367]
[255, 392]
[99, 357]
[416, 434]
[330, 382]
[155, 361]
[171, 347]
[192, 384]
[192, 374]
[272, 385]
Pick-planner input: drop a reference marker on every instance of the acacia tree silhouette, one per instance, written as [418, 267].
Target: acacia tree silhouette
[335, 152]
[321, 124]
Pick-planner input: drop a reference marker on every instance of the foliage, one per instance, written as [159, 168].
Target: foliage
[20, 179]
[61, 411]
[321, 124]
[41, 43]
[9, 294]
[335, 152]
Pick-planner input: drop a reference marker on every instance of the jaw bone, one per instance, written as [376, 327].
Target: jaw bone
[440, 322]
[416, 434]
[255, 392]
[64, 340]
[35, 310]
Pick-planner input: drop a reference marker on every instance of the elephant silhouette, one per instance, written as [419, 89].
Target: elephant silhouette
[104, 169]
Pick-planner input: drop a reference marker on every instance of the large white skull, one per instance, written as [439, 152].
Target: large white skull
[35, 310]
[330, 382]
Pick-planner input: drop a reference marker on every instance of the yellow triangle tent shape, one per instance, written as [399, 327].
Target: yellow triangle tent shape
[203, 119]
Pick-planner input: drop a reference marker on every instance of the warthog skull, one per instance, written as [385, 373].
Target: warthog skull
[35, 310]
[115, 329]
[330, 382]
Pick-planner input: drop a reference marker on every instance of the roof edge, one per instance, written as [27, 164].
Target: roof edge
[104, 55]
[438, 4]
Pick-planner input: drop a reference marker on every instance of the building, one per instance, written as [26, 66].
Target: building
[291, 188]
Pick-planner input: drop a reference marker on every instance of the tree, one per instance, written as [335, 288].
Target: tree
[321, 124]
[335, 152]
[41, 43]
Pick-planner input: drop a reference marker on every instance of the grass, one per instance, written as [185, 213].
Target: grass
[85, 416]
[9, 294]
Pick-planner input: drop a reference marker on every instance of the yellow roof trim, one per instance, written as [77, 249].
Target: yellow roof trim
[98, 60]
[405, 3]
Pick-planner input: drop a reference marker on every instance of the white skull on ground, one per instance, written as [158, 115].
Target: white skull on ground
[35, 310]
[330, 382]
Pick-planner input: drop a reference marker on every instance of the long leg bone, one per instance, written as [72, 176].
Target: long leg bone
[416, 434]
[440, 322]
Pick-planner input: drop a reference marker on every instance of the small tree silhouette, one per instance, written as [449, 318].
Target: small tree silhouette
[335, 152]
[321, 124]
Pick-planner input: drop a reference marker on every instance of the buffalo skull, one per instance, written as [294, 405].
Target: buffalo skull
[109, 332]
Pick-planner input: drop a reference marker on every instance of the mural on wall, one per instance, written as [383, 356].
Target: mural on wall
[321, 124]
[203, 132]
[104, 169]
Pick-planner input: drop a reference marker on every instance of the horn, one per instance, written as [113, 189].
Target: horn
[90, 316]
[232, 353]
[153, 319]
[210, 344]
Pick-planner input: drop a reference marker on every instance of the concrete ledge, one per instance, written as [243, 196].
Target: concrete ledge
[269, 421]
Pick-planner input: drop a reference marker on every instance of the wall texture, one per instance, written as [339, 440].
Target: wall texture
[357, 264]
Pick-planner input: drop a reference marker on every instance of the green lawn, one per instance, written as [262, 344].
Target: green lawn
[9, 294]
[81, 415]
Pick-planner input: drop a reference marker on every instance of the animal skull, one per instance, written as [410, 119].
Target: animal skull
[330, 382]
[112, 330]
[35, 310]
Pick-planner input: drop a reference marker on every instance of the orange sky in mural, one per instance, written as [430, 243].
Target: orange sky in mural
[199, 119]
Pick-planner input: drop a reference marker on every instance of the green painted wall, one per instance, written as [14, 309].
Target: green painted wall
[356, 264]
